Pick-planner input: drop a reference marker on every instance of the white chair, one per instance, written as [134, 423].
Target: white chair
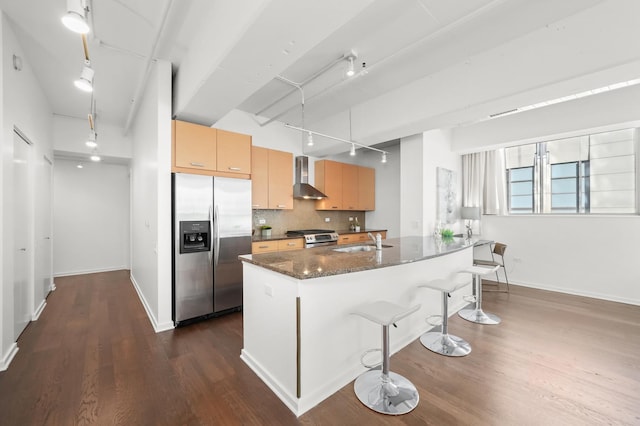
[382, 390]
[476, 314]
[442, 342]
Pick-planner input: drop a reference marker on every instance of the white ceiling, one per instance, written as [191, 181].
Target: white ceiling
[465, 59]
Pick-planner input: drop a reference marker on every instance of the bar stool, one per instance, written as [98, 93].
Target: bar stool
[476, 314]
[382, 390]
[442, 342]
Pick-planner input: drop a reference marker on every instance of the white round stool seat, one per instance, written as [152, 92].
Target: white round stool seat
[380, 389]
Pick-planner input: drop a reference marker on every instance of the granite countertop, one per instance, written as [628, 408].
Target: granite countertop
[258, 238]
[325, 261]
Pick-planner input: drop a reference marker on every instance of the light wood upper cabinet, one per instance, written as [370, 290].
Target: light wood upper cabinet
[272, 179]
[194, 146]
[350, 187]
[366, 188]
[233, 152]
[280, 180]
[259, 177]
[328, 179]
[347, 186]
[208, 151]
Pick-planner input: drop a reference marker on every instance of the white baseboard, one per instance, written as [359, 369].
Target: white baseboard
[89, 271]
[38, 311]
[157, 327]
[576, 292]
[52, 287]
[11, 353]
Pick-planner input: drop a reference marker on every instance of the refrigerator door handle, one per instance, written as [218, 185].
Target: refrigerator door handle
[216, 235]
[210, 253]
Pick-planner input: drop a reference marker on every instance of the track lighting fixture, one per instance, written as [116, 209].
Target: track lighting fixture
[80, 166]
[353, 144]
[76, 17]
[350, 69]
[353, 150]
[95, 157]
[85, 82]
[309, 139]
[91, 142]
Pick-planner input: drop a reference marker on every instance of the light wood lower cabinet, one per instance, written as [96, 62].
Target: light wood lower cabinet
[277, 245]
[359, 237]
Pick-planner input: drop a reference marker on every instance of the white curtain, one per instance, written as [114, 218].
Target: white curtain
[483, 182]
[495, 199]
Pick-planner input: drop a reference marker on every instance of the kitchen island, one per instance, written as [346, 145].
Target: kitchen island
[300, 337]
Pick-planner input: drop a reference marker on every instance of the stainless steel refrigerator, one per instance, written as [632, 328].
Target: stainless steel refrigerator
[211, 227]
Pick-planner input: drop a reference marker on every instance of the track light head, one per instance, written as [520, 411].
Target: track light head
[96, 158]
[384, 157]
[309, 139]
[353, 150]
[76, 19]
[85, 82]
[91, 142]
[350, 69]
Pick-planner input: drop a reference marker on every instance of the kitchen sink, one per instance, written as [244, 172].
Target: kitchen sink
[353, 249]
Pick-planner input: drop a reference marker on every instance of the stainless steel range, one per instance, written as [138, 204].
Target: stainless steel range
[316, 237]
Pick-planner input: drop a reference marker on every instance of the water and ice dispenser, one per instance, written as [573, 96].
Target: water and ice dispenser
[195, 236]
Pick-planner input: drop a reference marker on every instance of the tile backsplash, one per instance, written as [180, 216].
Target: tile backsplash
[305, 216]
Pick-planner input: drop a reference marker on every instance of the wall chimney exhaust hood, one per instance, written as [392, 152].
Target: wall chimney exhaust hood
[302, 189]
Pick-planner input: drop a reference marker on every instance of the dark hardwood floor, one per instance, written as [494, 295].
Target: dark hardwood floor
[93, 358]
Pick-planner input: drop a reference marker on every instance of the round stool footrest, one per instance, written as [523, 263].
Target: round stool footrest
[367, 352]
[429, 320]
[470, 298]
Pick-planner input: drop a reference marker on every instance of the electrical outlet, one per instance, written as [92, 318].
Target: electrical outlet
[327, 219]
[268, 290]
[261, 221]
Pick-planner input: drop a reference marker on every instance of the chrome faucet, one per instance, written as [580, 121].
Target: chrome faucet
[377, 240]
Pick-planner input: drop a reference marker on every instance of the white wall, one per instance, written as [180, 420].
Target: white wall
[411, 186]
[594, 256]
[22, 105]
[151, 198]
[91, 217]
[588, 255]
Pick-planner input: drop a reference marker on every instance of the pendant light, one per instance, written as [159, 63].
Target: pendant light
[309, 139]
[76, 18]
[353, 150]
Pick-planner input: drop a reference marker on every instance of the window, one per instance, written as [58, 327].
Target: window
[586, 174]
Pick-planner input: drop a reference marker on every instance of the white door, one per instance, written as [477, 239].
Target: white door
[44, 259]
[22, 232]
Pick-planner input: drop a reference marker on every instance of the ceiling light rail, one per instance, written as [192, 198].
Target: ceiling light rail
[352, 143]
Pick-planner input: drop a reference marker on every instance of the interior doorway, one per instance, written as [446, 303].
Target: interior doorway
[22, 233]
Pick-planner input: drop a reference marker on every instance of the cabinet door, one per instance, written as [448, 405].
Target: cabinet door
[366, 188]
[292, 244]
[194, 146]
[350, 187]
[329, 181]
[280, 180]
[234, 152]
[264, 246]
[259, 178]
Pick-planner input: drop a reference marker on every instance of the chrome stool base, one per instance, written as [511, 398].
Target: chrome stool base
[445, 344]
[396, 395]
[479, 316]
